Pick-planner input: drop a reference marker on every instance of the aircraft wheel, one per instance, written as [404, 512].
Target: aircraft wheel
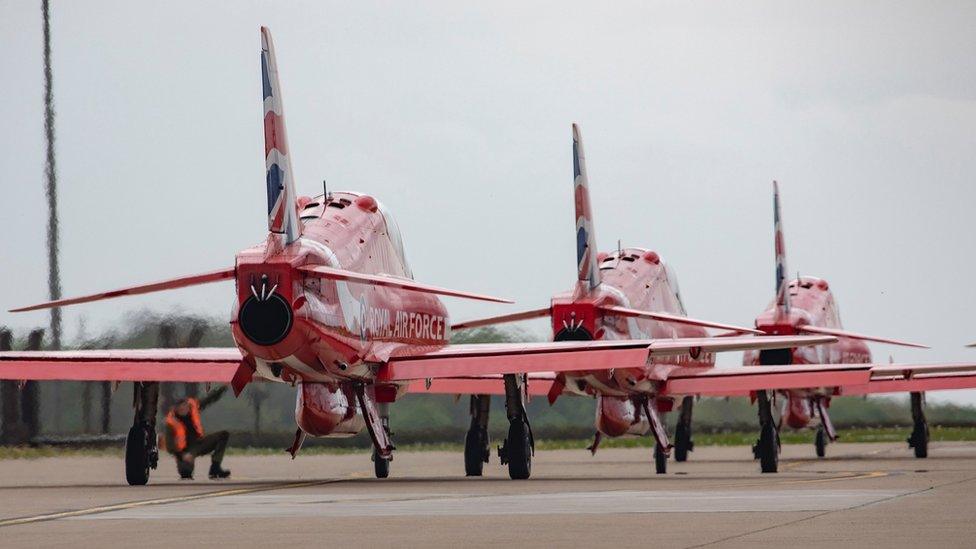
[137, 448]
[518, 450]
[821, 442]
[660, 460]
[475, 452]
[919, 440]
[381, 466]
[682, 442]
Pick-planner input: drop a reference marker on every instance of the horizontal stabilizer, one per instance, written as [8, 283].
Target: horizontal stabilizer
[675, 319]
[502, 319]
[171, 284]
[216, 365]
[852, 335]
[331, 273]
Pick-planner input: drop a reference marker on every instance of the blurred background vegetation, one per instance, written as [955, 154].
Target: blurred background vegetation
[263, 416]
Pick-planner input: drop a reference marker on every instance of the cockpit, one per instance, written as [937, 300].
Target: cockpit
[393, 230]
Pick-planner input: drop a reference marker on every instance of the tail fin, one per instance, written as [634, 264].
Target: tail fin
[586, 250]
[782, 293]
[282, 208]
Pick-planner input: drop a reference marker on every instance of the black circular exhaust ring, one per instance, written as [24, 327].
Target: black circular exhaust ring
[265, 322]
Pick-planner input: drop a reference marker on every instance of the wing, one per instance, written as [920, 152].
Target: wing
[538, 385]
[841, 379]
[193, 365]
[898, 378]
[458, 361]
[741, 380]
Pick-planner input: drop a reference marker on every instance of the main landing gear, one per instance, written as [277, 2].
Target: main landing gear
[141, 451]
[377, 416]
[519, 445]
[766, 449]
[920, 432]
[477, 446]
[682, 432]
[662, 447]
[825, 431]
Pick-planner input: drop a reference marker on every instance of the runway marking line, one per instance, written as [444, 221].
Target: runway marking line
[285, 486]
[162, 501]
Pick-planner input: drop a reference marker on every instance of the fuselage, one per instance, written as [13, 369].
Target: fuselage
[635, 278]
[325, 334]
[813, 304]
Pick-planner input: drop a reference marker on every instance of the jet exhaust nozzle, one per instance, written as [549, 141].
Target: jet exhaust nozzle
[265, 320]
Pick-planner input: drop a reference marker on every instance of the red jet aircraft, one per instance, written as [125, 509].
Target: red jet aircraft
[807, 306]
[327, 303]
[632, 294]
[628, 294]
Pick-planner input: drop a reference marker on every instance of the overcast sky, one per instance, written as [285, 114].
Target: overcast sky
[457, 117]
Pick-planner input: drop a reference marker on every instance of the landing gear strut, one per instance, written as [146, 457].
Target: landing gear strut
[519, 445]
[825, 431]
[377, 416]
[141, 451]
[477, 446]
[381, 465]
[920, 433]
[662, 447]
[682, 432]
[766, 449]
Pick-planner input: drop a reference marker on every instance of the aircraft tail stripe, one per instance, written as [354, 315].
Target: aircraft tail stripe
[782, 292]
[282, 207]
[586, 263]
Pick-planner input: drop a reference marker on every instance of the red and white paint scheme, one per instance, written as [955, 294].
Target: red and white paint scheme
[627, 294]
[805, 305]
[328, 304]
[633, 294]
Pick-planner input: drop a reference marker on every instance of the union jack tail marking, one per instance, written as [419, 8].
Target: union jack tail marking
[586, 251]
[282, 208]
[782, 294]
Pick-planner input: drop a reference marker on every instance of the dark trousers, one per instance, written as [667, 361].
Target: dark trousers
[214, 443]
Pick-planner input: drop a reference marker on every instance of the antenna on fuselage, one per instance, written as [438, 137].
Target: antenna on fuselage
[325, 191]
[620, 253]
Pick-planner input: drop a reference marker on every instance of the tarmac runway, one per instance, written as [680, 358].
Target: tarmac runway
[860, 494]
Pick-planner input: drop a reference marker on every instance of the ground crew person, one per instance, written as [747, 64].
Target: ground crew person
[185, 438]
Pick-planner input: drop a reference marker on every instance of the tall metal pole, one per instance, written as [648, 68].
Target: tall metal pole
[54, 273]
[50, 170]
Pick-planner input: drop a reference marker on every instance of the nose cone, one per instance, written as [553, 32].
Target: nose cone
[265, 321]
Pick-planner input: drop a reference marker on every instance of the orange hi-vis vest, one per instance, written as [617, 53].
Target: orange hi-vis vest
[177, 428]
